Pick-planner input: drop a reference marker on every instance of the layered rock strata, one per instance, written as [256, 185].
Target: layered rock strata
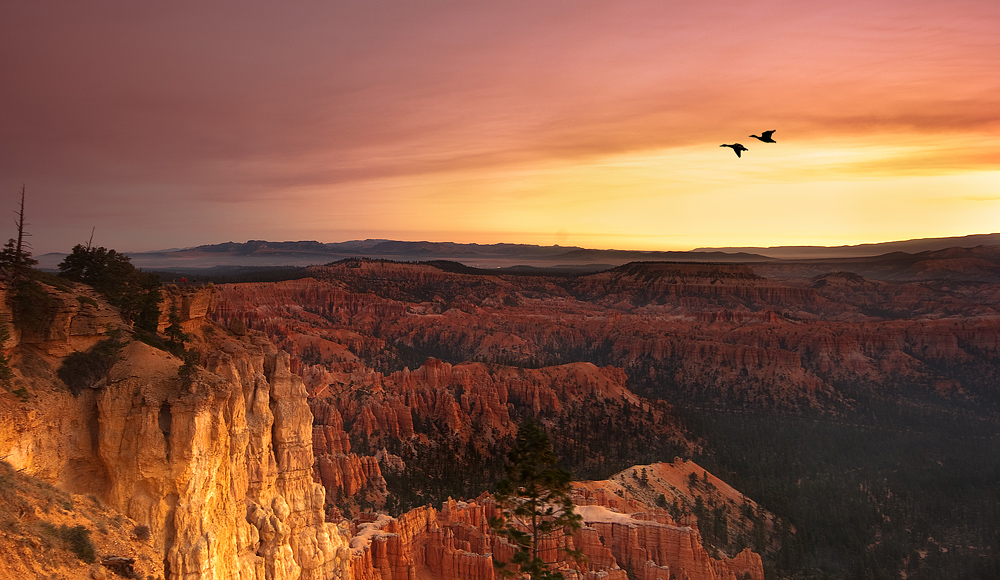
[699, 332]
[218, 463]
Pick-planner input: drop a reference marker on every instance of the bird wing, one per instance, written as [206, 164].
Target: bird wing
[767, 134]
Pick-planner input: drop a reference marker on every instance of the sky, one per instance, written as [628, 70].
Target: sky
[590, 123]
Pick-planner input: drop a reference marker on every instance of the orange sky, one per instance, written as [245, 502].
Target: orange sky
[579, 123]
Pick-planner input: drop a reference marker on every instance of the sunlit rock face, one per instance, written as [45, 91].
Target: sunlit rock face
[220, 468]
[189, 302]
[218, 464]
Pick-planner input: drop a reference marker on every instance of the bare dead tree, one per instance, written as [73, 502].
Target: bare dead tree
[21, 234]
[15, 257]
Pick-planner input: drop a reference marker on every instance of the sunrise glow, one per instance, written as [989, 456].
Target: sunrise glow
[592, 124]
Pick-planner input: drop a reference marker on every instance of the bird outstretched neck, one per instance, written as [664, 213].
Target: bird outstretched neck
[737, 148]
[765, 136]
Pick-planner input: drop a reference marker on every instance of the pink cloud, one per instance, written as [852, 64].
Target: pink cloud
[128, 101]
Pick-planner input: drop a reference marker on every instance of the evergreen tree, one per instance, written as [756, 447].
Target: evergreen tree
[176, 337]
[535, 505]
[134, 292]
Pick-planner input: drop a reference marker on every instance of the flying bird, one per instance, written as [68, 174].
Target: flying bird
[737, 147]
[766, 136]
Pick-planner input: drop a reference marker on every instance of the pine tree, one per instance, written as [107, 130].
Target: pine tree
[535, 505]
[134, 292]
[176, 337]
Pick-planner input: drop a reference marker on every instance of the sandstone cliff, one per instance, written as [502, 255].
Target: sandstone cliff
[218, 464]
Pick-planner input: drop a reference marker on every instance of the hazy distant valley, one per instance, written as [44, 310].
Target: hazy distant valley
[569, 259]
[799, 418]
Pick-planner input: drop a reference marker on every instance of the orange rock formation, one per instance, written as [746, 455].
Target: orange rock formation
[702, 331]
[456, 543]
[219, 467]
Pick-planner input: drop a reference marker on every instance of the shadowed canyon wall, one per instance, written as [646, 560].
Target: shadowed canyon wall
[707, 333]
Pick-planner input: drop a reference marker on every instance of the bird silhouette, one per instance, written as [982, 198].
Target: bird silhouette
[766, 136]
[737, 147]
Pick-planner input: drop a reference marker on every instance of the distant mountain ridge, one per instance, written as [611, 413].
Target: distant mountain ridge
[259, 253]
[311, 252]
[864, 250]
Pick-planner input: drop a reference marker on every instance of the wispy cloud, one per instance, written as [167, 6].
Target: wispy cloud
[128, 105]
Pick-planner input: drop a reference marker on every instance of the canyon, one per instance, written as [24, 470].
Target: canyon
[235, 465]
[703, 333]
[349, 423]
[749, 366]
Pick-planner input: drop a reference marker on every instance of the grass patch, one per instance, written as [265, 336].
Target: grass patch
[76, 539]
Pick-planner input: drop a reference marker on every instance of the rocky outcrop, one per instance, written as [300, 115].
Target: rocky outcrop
[221, 463]
[456, 543]
[220, 468]
[76, 318]
[650, 542]
[349, 476]
[218, 463]
[189, 302]
[453, 395]
[77, 315]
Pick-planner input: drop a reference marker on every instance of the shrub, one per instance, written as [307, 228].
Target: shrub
[151, 338]
[142, 533]
[134, 292]
[188, 370]
[84, 369]
[175, 335]
[78, 540]
[50, 279]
